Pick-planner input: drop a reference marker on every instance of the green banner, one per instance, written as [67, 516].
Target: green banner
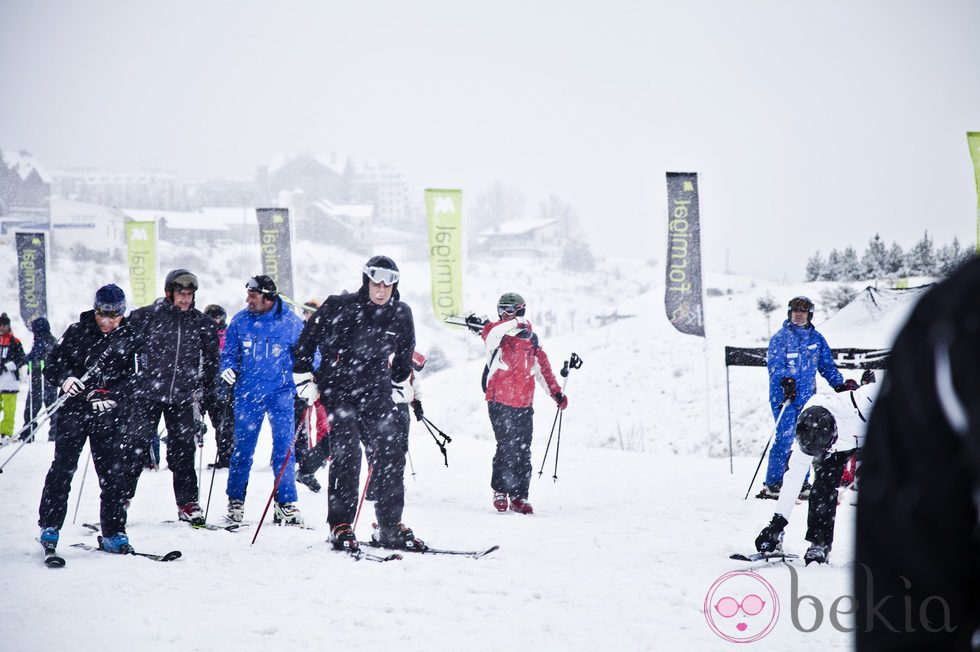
[444, 210]
[973, 138]
[277, 252]
[141, 254]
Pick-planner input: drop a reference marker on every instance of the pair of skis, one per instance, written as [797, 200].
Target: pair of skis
[362, 554]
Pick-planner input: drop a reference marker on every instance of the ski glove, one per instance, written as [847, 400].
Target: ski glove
[202, 429]
[229, 376]
[771, 537]
[475, 323]
[72, 386]
[848, 385]
[789, 389]
[11, 365]
[101, 403]
[306, 387]
[561, 400]
[417, 409]
[399, 391]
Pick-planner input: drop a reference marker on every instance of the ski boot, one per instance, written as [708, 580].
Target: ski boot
[769, 491]
[805, 491]
[191, 513]
[118, 543]
[287, 514]
[817, 553]
[500, 502]
[398, 537]
[342, 537]
[49, 538]
[236, 510]
[521, 506]
[309, 481]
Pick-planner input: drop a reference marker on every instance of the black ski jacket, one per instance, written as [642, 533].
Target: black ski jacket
[82, 347]
[178, 353]
[355, 339]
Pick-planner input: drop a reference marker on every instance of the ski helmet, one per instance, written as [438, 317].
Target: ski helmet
[800, 303]
[264, 285]
[110, 299]
[215, 312]
[816, 431]
[380, 269]
[180, 279]
[511, 303]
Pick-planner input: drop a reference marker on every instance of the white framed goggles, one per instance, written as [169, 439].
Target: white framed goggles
[509, 308]
[381, 275]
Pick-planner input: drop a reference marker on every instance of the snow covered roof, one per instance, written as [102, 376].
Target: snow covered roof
[205, 219]
[349, 211]
[66, 210]
[337, 162]
[23, 164]
[517, 227]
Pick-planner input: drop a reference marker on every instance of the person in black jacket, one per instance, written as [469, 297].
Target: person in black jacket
[101, 344]
[356, 334]
[177, 367]
[917, 570]
[41, 392]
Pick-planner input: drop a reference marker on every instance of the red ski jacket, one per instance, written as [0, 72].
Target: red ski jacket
[515, 360]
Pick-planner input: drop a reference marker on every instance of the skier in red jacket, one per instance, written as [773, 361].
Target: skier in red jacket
[514, 360]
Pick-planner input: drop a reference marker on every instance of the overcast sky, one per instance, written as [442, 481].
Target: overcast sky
[813, 125]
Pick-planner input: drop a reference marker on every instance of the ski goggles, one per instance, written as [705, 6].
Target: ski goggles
[509, 309]
[751, 605]
[381, 275]
[109, 313]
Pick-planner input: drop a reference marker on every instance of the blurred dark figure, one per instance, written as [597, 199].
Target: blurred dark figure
[41, 392]
[918, 536]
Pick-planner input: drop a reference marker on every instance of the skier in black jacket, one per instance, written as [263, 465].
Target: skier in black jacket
[97, 411]
[177, 367]
[41, 392]
[356, 334]
[917, 576]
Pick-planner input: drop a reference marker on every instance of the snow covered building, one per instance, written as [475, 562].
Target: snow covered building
[82, 228]
[345, 225]
[25, 190]
[143, 189]
[522, 237]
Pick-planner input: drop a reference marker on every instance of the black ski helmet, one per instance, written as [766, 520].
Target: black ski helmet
[216, 312]
[373, 270]
[180, 278]
[800, 302]
[264, 285]
[816, 431]
[511, 303]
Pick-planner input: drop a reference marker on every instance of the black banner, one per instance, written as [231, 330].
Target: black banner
[843, 358]
[31, 278]
[277, 257]
[682, 294]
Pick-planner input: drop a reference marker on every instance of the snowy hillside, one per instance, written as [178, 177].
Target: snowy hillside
[619, 555]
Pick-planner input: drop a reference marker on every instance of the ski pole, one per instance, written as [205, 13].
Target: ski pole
[557, 446]
[275, 488]
[771, 435]
[30, 394]
[81, 485]
[360, 504]
[214, 469]
[573, 362]
[411, 464]
[441, 444]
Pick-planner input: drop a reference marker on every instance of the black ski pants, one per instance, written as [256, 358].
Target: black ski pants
[309, 459]
[513, 428]
[222, 414]
[106, 434]
[41, 394]
[823, 498]
[387, 445]
[181, 445]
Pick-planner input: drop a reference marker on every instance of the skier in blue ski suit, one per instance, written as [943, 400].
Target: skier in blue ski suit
[796, 353]
[258, 361]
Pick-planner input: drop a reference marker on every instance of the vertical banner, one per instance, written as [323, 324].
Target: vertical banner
[141, 256]
[682, 299]
[973, 138]
[31, 278]
[277, 255]
[444, 211]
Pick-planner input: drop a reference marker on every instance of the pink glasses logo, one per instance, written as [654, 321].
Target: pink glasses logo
[741, 607]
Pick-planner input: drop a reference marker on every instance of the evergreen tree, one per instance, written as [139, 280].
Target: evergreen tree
[895, 262]
[850, 268]
[875, 258]
[921, 260]
[832, 271]
[767, 305]
[814, 267]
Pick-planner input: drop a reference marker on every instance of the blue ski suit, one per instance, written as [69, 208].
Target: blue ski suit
[259, 348]
[797, 352]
